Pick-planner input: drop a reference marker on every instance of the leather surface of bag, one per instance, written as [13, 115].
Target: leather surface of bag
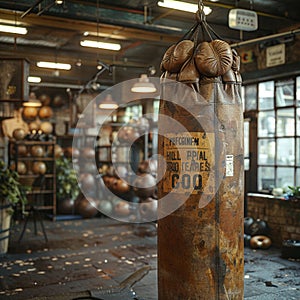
[200, 244]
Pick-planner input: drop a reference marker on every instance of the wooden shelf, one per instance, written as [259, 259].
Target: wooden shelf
[35, 158]
[35, 176]
[39, 192]
[34, 143]
[47, 190]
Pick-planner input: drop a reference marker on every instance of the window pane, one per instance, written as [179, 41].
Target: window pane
[286, 151]
[246, 145]
[285, 122]
[266, 152]
[266, 95]
[243, 97]
[250, 97]
[285, 177]
[266, 124]
[298, 121]
[266, 178]
[298, 177]
[246, 137]
[155, 110]
[285, 93]
[298, 152]
[298, 90]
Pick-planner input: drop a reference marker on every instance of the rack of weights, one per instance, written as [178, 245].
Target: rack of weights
[32, 155]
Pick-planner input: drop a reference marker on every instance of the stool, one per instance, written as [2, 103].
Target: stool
[34, 210]
[35, 213]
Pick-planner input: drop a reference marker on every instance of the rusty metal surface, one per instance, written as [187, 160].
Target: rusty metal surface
[200, 245]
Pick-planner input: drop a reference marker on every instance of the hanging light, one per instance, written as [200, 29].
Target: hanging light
[13, 29]
[34, 79]
[108, 103]
[53, 65]
[184, 6]
[100, 45]
[143, 85]
[32, 101]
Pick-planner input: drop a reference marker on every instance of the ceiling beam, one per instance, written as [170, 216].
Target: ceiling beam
[85, 26]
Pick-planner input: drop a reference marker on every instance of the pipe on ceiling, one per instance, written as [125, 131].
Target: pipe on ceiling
[265, 38]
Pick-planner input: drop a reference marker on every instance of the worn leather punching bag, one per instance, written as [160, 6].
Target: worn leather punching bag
[200, 230]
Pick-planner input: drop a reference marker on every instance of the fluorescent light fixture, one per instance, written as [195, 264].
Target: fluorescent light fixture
[100, 45]
[34, 79]
[184, 6]
[13, 29]
[53, 65]
[108, 103]
[143, 85]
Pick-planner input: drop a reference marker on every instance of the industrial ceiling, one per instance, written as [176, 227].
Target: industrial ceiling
[144, 30]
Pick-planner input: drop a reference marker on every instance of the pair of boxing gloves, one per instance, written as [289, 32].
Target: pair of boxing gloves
[189, 62]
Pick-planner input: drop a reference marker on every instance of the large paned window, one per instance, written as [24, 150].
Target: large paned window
[277, 104]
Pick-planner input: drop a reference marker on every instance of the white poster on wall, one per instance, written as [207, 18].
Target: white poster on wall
[275, 55]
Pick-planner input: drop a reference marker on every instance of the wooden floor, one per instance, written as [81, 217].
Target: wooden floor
[105, 258]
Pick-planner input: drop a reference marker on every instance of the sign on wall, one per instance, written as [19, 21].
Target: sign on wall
[275, 55]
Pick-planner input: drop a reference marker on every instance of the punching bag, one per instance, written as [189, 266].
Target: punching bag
[200, 229]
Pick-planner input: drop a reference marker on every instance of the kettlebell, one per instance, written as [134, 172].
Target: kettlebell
[259, 227]
[248, 221]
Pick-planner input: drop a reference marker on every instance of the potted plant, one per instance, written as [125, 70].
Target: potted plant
[295, 191]
[67, 188]
[11, 194]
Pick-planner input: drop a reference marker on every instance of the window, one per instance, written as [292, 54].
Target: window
[278, 131]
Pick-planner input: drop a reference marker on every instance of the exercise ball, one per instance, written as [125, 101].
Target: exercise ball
[58, 151]
[19, 134]
[34, 125]
[30, 113]
[87, 181]
[45, 99]
[89, 167]
[46, 127]
[105, 206]
[120, 186]
[121, 171]
[88, 153]
[87, 207]
[37, 151]
[66, 206]
[39, 167]
[148, 208]
[20, 167]
[144, 186]
[59, 100]
[45, 112]
[109, 181]
[22, 150]
[122, 208]
[71, 152]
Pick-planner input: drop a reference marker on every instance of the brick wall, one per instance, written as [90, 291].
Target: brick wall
[282, 216]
